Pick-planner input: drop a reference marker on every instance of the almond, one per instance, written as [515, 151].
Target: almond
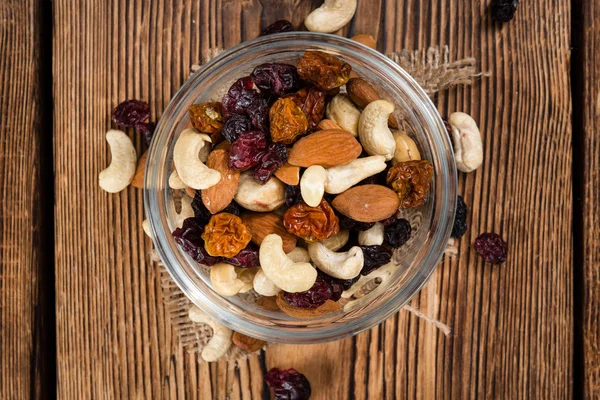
[247, 343]
[288, 174]
[138, 178]
[327, 124]
[367, 203]
[328, 307]
[263, 224]
[223, 145]
[362, 93]
[218, 197]
[327, 148]
[365, 39]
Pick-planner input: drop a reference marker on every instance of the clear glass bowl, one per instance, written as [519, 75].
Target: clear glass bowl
[432, 222]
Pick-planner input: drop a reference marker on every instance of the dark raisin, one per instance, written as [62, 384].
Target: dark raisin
[200, 211]
[375, 256]
[189, 237]
[292, 195]
[353, 225]
[398, 232]
[318, 294]
[235, 126]
[130, 112]
[377, 179]
[246, 258]
[270, 162]
[503, 10]
[146, 129]
[338, 285]
[233, 208]
[276, 79]
[280, 26]
[491, 248]
[247, 150]
[288, 384]
[460, 219]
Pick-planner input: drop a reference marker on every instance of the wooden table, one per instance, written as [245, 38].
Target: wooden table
[81, 310]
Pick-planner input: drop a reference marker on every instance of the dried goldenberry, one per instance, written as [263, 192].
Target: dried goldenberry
[398, 232]
[375, 256]
[189, 237]
[276, 78]
[225, 235]
[247, 150]
[147, 130]
[287, 121]
[280, 26]
[353, 225]
[235, 126]
[275, 156]
[246, 258]
[323, 70]
[460, 219]
[312, 224]
[491, 248]
[503, 10]
[317, 295]
[288, 384]
[292, 195]
[312, 103]
[131, 112]
[411, 181]
[207, 118]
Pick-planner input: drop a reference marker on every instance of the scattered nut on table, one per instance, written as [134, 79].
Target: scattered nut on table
[331, 16]
[220, 340]
[121, 170]
[468, 149]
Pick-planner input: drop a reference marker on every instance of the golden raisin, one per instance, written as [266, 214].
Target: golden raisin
[312, 102]
[411, 181]
[207, 118]
[323, 70]
[225, 235]
[312, 224]
[287, 121]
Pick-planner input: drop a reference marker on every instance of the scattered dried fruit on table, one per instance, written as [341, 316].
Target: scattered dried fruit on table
[503, 10]
[312, 224]
[246, 258]
[207, 118]
[219, 196]
[263, 224]
[247, 150]
[225, 235]
[147, 130]
[397, 232]
[374, 257]
[411, 181]
[276, 78]
[312, 103]
[491, 248]
[460, 219]
[288, 174]
[287, 121]
[362, 93]
[247, 343]
[189, 237]
[323, 70]
[278, 27]
[235, 126]
[288, 384]
[326, 148]
[131, 112]
[367, 203]
[140, 169]
[271, 160]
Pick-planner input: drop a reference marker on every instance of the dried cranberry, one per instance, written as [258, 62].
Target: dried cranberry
[247, 150]
[280, 26]
[398, 232]
[189, 237]
[243, 99]
[270, 162]
[246, 258]
[131, 112]
[292, 195]
[503, 10]
[275, 78]
[318, 294]
[258, 112]
[349, 223]
[338, 285]
[375, 256]
[146, 129]
[235, 126]
[491, 248]
[288, 384]
[460, 219]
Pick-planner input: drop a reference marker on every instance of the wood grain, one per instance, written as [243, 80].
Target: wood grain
[512, 325]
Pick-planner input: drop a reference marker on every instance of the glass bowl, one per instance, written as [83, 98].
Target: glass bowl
[412, 264]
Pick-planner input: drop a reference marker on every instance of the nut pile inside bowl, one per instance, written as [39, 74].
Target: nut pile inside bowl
[295, 180]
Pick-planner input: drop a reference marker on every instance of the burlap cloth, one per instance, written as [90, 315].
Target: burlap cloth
[433, 69]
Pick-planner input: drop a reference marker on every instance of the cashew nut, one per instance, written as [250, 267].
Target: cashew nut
[190, 168]
[220, 341]
[299, 254]
[372, 236]
[256, 197]
[343, 177]
[339, 265]
[263, 285]
[331, 16]
[342, 111]
[228, 280]
[146, 228]
[382, 273]
[375, 136]
[121, 170]
[246, 275]
[468, 149]
[186, 211]
[406, 148]
[175, 181]
[337, 241]
[279, 268]
[312, 185]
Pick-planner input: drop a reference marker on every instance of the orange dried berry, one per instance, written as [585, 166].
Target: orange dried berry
[411, 181]
[312, 224]
[207, 117]
[225, 235]
[287, 121]
[323, 70]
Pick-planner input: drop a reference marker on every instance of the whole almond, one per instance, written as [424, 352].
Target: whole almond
[263, 224]
[288, 174]
[138, 178]
[362, 93]
[217, 197]
[328, 307]
[247, 343]
[365, 39]
[367, 203]
[327, 124]
[327, 148]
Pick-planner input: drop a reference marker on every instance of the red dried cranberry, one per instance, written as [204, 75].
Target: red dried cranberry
[491, 248]
[398, 232]
[375, 256]
[357, 226]
[189, 237]
[288, 384]
[246, 258]
[235, 126]
[131, 112]
[270, 162]
[243, 99]
[258, 111]
[247, 150]
[277, 79]
[146, 129]
[460, 219]
[318, 294]
[292, 195]
[280, 26]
